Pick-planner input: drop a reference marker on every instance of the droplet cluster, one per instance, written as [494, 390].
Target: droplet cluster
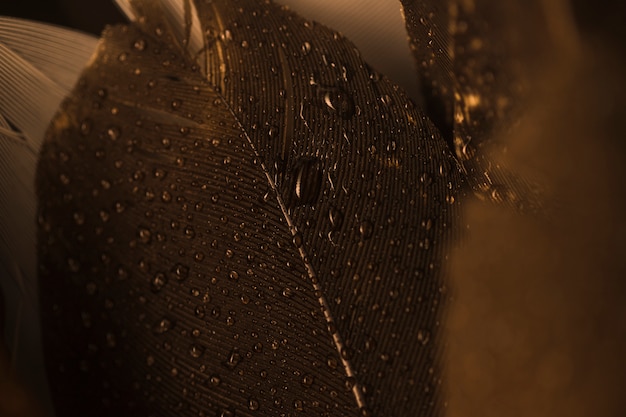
[262, 239]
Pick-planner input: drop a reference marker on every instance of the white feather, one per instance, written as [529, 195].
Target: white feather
[39, 64]
[181, 16]
[59, 53]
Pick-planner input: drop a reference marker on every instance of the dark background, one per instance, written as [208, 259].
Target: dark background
[604, 18]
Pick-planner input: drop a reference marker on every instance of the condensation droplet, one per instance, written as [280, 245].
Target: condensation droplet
[85, 127]
[163, 326]
[145, 236]
[196, 351]
[307, 182]
[140, 44]
[114, 132]
[158, 282]
[307, 380]
[340, 102]
[306, 48]
[297, 240]
[366, 229]
[234, 358]
[79, 218]
[190, 232]
[253, 404]
[336, 218]
[298, 405]
[199, 312]
[423, 336]
[181, 272]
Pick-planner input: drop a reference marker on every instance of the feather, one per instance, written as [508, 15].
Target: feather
[477, 63]
[38, 66]
[210, 38]
[178, 17]
[248, 229]
[376, 27]
[59, 53]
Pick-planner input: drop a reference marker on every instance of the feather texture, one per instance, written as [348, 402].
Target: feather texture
[42, 64]
[476, 62]
[38, 66]
[302, 194]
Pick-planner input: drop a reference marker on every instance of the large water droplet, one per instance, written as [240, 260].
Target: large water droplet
[340, 102]
[336, 218]
[233, 359]
[307, 181]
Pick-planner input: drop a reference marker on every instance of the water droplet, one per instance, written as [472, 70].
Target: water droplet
[145, 236]
[298, 405]
[190, 233]
[307, 380]
[196, 351]
[215, 380]
[366, 229]
[307, 182]
[111, 340]
[91, 288]
[340, 102]
[233, 275]
[234, 358]
[423, 336]
[122, 57]
[181, 272]
[297, 240]
[159, 173]
[253, 404]
[163, 326]
[306, 48]
[158, 282]
[199, 312]
[332, 362]
[85, 127]
[176, 104]
[114, 132]
[336, 218]
[140, 44]
[79, 218]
